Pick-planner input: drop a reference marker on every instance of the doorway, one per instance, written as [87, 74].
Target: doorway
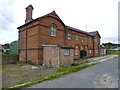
[83, 53]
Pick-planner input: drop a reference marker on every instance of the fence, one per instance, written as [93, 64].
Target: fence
[9, 58]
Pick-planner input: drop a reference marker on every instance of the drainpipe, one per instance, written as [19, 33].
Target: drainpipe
[26, 45]
[93, 48]
[58, 57]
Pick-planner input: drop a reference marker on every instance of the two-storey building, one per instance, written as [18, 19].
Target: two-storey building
[50, 30]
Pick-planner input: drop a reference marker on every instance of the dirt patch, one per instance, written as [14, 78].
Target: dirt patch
[14, 74]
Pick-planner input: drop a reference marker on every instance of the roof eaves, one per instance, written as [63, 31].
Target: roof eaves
[77, 30]
[27, 23]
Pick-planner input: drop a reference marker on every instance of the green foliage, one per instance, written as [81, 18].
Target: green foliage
[30, 62]
[114, 52]
[62, 69]
[109, 45]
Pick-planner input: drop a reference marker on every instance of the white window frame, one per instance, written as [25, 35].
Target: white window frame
[69, 35]
[82, 40]
[53, 31]
[90, 51]
[76, 51]
[66, 52]
[85, 39]
[76, 37]
[95, 40]
[90, 40]
[96, 51]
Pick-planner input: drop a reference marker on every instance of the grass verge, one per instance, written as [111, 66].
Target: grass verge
[62, 72]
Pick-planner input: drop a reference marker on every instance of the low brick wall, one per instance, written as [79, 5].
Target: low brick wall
[50, 56]
[66, 60]
[54, 56]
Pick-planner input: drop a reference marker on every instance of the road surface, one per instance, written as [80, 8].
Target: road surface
[103, 75]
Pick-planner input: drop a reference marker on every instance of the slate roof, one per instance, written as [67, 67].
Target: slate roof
[54, 15]
[51, 14]
[93, 33]
[78, 30]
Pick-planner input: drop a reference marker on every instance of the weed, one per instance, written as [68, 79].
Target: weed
[39, 75]
[23, 75]
[62, 69]
[67, 71]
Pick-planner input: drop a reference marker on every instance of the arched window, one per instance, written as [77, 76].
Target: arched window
[76, 51]
[76, 37]
[53, 31]
[69, 36]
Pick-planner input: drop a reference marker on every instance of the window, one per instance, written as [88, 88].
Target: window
[76, 37]
[95, 40]
[53, 29]
[90, 40]
[66, 52]
[82, 40]
[76, 50]
[85, 39]
[69, 37]
[96, 51]
[90, 51]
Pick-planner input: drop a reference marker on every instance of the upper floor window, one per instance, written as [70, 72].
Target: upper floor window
[69, 36]
[76, 37]
[82, 40]
[90, 40]
[85, 39]
[95, 40]
[53, 31]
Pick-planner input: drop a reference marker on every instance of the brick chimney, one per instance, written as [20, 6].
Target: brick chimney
[29, 10]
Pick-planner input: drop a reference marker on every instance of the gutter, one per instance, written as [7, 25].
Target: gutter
[26, 45]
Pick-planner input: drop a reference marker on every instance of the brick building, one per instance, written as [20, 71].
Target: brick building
[50, 30]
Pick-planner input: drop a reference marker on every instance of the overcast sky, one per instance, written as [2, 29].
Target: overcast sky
[101, 15]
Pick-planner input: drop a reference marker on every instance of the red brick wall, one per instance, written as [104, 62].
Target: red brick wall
[51, 57]
[38, 33]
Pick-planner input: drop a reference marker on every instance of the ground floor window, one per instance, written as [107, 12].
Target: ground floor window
[90, 51]
[66, 52]
[96, 51]
[76, 50]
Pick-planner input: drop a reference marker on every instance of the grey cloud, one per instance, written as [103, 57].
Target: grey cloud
[110, 39]
[6, 17]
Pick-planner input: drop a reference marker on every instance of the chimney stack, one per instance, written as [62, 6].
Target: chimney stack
[29, 10]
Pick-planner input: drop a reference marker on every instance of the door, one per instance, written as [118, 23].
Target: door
[83, 53]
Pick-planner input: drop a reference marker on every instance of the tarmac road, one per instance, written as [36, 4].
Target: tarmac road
[103, 75]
